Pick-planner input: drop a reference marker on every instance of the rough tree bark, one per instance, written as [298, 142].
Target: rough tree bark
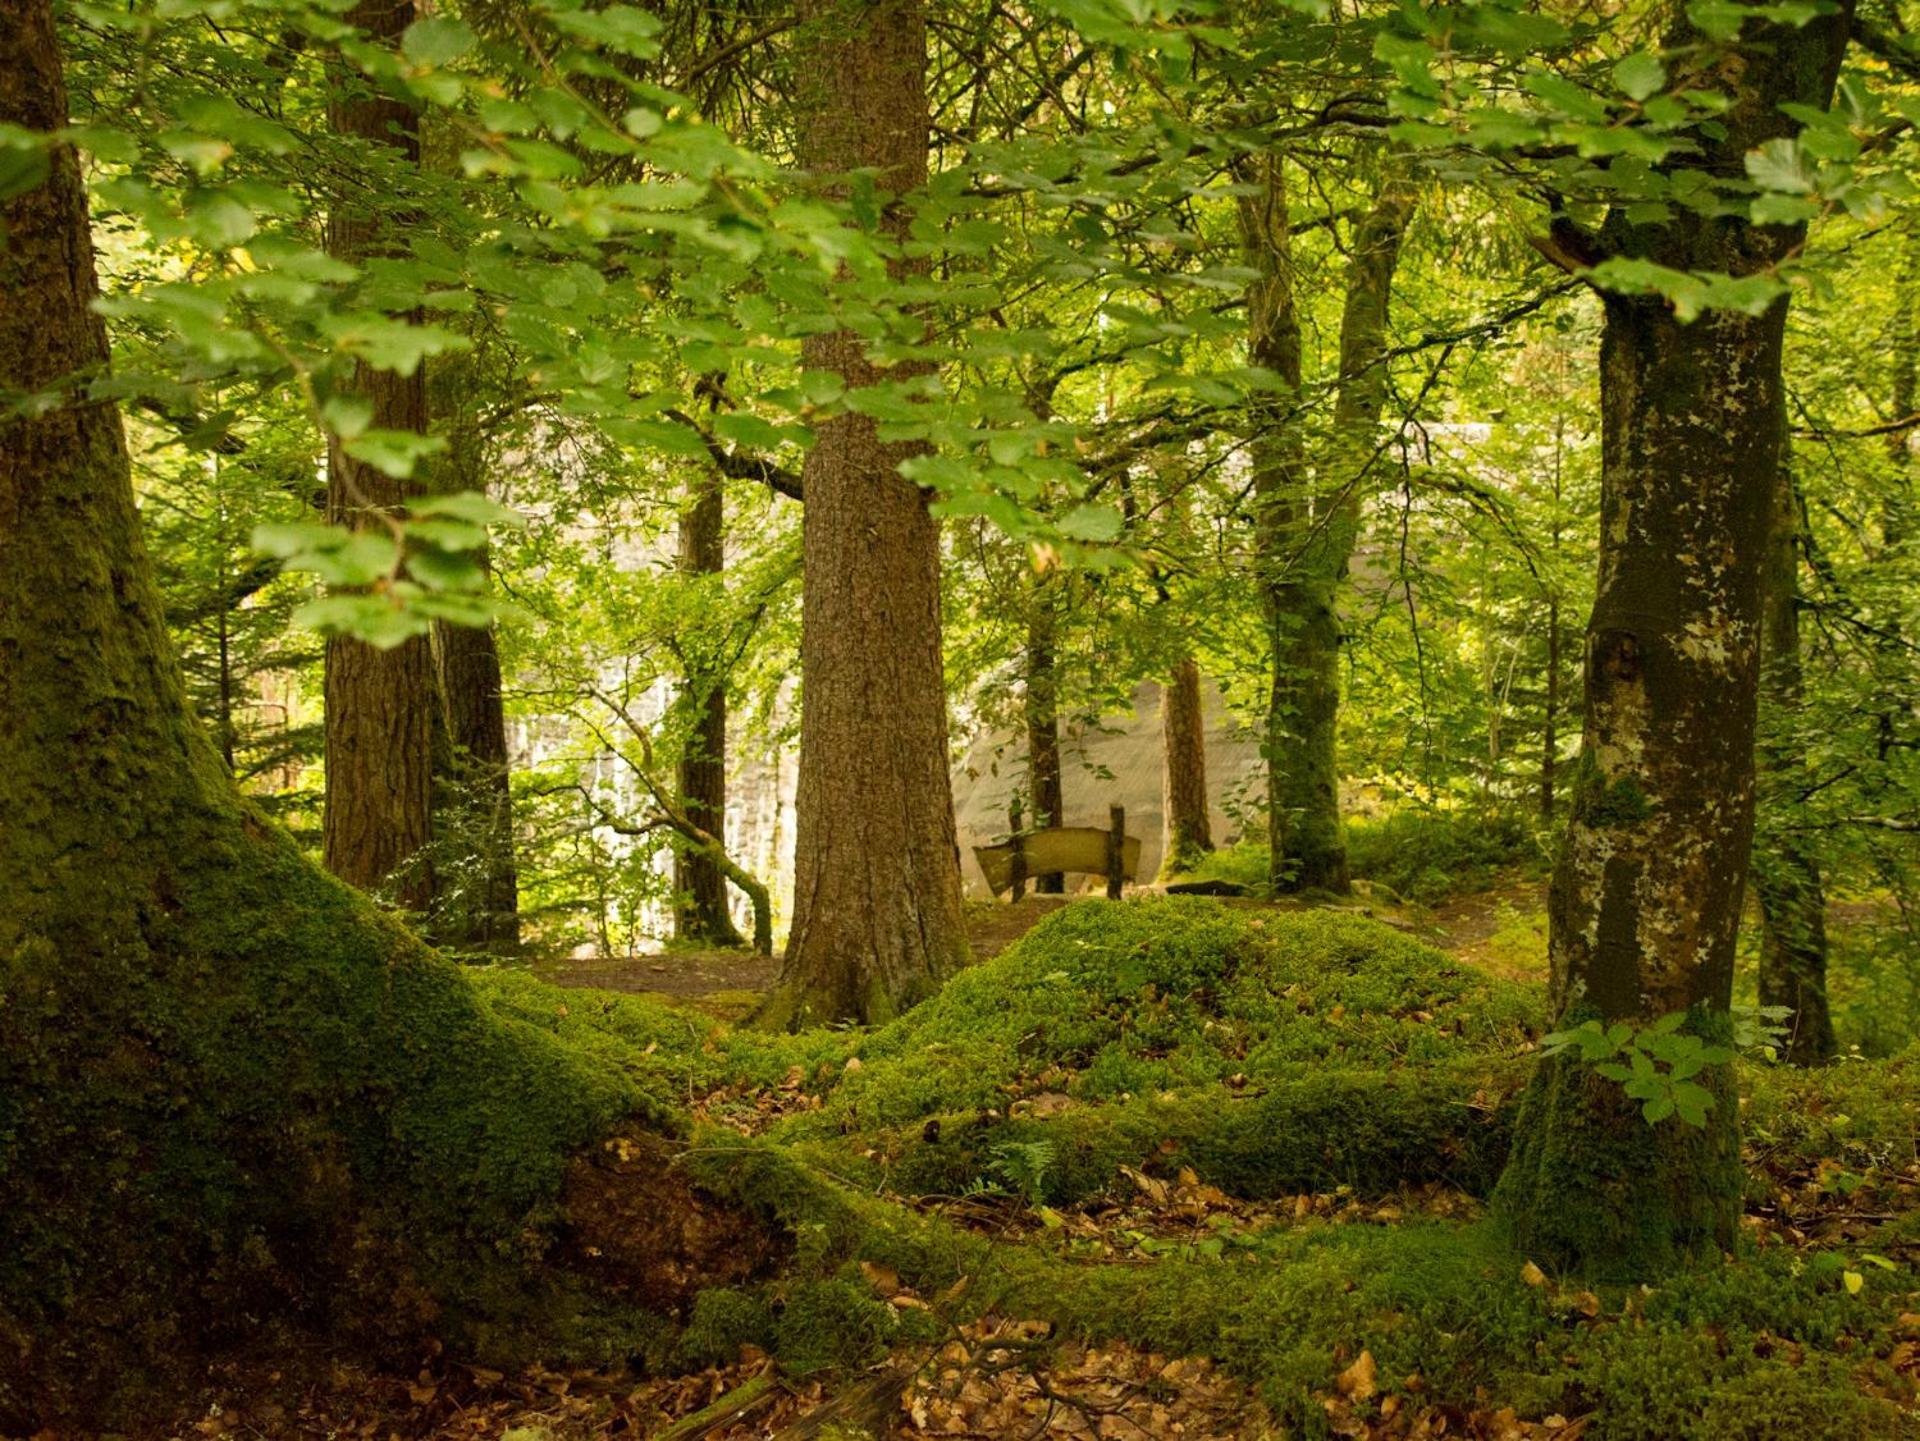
[1786, 877]
[1279, 466]
[1646, 896]
[1046, 785]
[1311, 529]
[700, 913]
[379, 703]
[877, 920]
[232, 1093]
[476, 791]
[1183, 734]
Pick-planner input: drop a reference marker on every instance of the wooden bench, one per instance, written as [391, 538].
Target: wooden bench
[1083, 849]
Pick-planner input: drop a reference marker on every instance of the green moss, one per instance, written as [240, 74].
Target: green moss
[1371, 1131]
[1102, 999]
[673, 1053]
[1593, 1189]
[269, 1100]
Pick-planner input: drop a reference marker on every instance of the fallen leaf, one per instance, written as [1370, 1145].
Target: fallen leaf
[1357, 1381]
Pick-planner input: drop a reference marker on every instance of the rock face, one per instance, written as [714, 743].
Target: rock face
[1124, 747]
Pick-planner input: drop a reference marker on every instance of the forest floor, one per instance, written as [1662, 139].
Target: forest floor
[996, 1375]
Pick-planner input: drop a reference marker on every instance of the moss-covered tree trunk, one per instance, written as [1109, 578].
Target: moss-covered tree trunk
[477, 905]
[877, 918]
[700, 910]
[1647, 892]
[232, 1094]
[1273, 343]
[1046, 785]
[379, 703]
[1183, 745]
[1786, 875]
[1311, 529]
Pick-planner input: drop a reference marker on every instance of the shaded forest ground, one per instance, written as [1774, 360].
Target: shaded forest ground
[1274, 1123]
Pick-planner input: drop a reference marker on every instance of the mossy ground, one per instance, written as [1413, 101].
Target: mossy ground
[969, 1161]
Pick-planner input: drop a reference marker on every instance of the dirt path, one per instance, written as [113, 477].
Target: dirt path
[727, 975]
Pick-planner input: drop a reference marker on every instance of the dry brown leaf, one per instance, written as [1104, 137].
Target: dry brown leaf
[1358, 1381]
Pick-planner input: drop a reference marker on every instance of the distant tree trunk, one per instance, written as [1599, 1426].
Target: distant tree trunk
[1320, 531]
[1279, 469]
[476, 791]
[379, 703]
[1550, 724]
[1897, 514]
[474, 712]
[233, 1094]
[1647, 894]
[1183, 732]
[700, 912]
[877, 922]
[1786, 877]
[1045, 783]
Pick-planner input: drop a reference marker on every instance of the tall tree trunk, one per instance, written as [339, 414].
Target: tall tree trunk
[1647, 894]
[877, 921]
[1046, 785]
[487, 917]
[1279, 468]
[1320, 528]
[473, 810]
[1183, 733]
[1897, 514]
[700, 909]
[379, 703]
[1786, 877]
[231, 1092]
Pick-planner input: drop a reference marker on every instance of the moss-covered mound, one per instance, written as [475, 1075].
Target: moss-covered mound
[1103, 1000]
[271, 1104]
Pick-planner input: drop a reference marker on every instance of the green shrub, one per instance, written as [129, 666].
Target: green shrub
[1428, 855]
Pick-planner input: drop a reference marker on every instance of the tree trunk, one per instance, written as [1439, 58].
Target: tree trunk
[1183, 731]
[700, 913]
[1647, 893]
[1273, 343]
[477, 907]
[379, 703]
[231, 1092]
[1046, 785]
[1313, 534]
[1897, 514]
[1786, 877]
[877, 922]
[486, 917]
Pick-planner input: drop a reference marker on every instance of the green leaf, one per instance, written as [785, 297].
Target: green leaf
[1640, 76]
[392, 452]
[1093, 523]
[436, 40]
[470, 506]
[1777, 165]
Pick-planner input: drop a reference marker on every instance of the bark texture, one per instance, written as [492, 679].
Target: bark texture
[1311, 527]
[232, 1093]
[1279, 463]
[1647, 892]
[485, 915]
[477, 905]
[877, 919]
[700, 912]
[1183, 736]
[1046, 785]
[379, 703]
[1786, 875]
